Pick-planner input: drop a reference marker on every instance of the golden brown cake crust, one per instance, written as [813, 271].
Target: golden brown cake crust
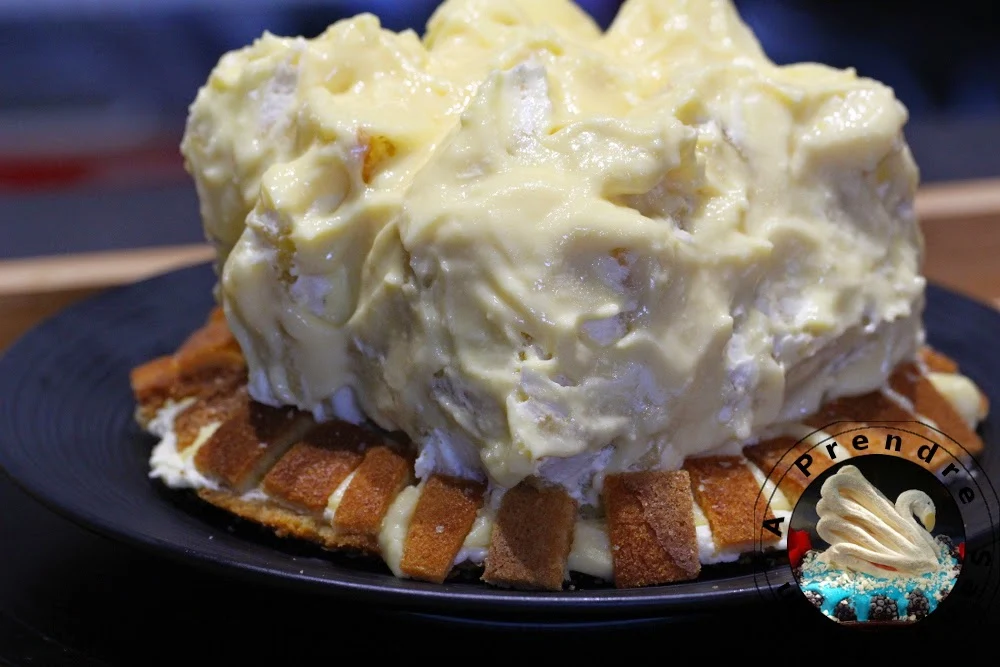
[776, 459]
[649, 514]
[874, 406]
[308, 474]
[208, 364]
[729, 495]
[444, 515]
[152, 384]
[205, 412]
[927, 402]
[244, 446]
[211, 345]
[287, 523]
[651, 527]
[531, 539]
[937, 362]
[383, 473]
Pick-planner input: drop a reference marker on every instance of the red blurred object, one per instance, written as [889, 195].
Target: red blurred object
[157, 163]
[117, 143]
[961, 552]
[798, 545]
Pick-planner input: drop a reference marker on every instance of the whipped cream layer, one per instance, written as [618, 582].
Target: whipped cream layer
[538, 249]
[868, 533]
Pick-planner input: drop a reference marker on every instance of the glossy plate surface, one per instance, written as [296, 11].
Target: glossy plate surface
[68, 437]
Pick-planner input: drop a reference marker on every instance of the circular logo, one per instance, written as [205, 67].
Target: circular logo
[891, 524]
[878, 539]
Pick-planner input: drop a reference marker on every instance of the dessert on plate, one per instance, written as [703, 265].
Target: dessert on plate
[524, 295]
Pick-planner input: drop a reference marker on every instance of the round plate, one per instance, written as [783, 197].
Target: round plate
[68, 437]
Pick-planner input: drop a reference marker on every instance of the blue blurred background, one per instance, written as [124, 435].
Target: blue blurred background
[94, 94]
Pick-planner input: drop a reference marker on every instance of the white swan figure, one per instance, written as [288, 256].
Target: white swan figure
[867, 533]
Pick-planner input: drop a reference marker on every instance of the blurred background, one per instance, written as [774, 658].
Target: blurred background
[94, 95]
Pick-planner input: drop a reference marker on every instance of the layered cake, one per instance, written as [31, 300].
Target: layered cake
[527, 296]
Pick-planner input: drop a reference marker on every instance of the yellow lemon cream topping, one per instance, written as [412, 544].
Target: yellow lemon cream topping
[542, 249]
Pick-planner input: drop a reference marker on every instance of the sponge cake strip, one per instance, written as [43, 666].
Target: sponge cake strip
[211, 347]
[776, 458]
[152, 384]
[440, 523]
[928, 403]
[211, 382]
[937, 362]
[531, 538]
[204, 412]
[911, 438]
[208, 364]
[728, 494]
[242, 449]
[313, 468]
[875, 412]
[381, 476]
[871, 407]
[651, 527]
[287, 523]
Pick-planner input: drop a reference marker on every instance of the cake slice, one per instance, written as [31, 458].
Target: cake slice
[314, 473]
[283, 521]
[245, 446]
[313, 469]
[910, 383]
[730, 497]
[210, 353]
[776, 457]
[208, 364]
[850, 412]
[937, 362]
[531, 538]
[382, 474]
[919, 415]
[651, 527]
[153, 384]
[204, 415]
[439, 525]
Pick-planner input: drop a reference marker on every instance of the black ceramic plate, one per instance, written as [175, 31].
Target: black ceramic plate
[68, 437]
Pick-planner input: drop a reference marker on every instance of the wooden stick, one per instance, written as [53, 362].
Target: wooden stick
[35, 275]
[35, 288]
[963, 200]
[961, 225]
